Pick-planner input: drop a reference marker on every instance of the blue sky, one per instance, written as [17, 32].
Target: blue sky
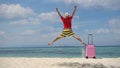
[35, 22]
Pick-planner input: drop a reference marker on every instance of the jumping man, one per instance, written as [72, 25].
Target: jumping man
[67, 30]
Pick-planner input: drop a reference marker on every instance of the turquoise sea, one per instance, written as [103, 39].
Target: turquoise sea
[59, 52]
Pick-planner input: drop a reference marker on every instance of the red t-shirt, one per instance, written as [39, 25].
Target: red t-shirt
[67, 22]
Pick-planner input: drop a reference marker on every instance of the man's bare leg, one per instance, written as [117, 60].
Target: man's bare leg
[57, 38]
[79, 39]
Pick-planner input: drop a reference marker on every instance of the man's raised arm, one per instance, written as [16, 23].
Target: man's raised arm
[58, 12]
[74, 10]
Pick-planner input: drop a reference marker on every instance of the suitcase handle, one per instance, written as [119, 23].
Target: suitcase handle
[90, 39]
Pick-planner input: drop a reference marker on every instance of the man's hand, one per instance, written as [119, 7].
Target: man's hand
[74, 10]
[75, 7]
[57, 9]
[58, 12]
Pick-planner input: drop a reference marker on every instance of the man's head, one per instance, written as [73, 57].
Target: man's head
[67, 15]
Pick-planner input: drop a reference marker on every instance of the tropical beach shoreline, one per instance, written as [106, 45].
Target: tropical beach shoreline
[25, 62]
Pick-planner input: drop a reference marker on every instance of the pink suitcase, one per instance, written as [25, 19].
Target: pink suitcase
[90, 48]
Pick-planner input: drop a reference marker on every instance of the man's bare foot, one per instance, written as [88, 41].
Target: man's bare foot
[49, 43]
[84, 43]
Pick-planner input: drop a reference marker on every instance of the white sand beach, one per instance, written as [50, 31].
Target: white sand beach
[14, 62]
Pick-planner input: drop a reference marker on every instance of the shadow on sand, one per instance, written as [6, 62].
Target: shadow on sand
[83, 65]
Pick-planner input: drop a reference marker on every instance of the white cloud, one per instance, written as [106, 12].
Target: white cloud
[102, 31]
[29, 32]
[15, 10]
[50, 16]
[98, 31]
[114, 25]
[2, 33]
[37, 19]
[42, 35]
[26, 21]
[109, 4]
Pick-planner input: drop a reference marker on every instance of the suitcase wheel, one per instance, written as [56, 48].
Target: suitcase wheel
[86, 57]
[94, 57]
